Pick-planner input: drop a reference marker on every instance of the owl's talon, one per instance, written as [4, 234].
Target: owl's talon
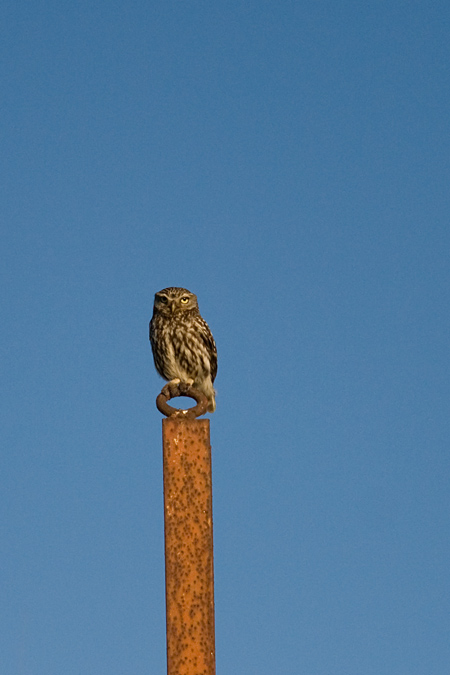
[177, 387]
[185, 385]
[171, 388]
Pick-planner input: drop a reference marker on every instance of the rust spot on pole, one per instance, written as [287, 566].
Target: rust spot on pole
[188, 546]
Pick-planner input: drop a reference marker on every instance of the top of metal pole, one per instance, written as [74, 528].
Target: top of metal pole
[173, 390]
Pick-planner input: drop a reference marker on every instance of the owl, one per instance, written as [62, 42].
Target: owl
[182, 344]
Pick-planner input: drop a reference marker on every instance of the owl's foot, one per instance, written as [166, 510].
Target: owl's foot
[185, 385]
[170, 389]
[176, 387]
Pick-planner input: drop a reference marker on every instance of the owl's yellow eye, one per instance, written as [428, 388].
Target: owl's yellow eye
[184, 300]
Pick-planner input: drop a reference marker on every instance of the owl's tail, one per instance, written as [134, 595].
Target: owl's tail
[207, 388]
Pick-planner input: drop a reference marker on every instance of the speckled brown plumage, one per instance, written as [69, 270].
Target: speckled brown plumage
[182, 343]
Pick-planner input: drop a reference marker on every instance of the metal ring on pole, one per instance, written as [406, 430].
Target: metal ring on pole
[173, 390]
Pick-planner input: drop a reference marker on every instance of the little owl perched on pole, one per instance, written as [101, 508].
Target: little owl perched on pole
[182, 343]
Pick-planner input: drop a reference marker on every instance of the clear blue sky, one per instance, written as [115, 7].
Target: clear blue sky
[288, 162]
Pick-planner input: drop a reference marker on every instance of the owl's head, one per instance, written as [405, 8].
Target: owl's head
[174, 300]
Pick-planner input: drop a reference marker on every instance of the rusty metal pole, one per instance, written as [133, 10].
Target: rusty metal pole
[188, 532]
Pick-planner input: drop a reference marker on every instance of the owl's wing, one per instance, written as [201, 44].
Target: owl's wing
[213, 363]
[212, 350]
